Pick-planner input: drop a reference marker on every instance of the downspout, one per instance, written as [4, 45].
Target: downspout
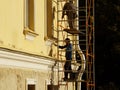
[52, 73]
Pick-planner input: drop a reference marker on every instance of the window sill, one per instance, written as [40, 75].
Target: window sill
[29, 34]
[50, 40]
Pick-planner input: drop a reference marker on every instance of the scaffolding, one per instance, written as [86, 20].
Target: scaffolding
[82, 39]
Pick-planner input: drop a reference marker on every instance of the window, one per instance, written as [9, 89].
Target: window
[29, 22]
[51, 19]
[29, 14]
[30, 84]
[31, 87]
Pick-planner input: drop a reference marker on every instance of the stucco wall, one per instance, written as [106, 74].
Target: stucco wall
[12, 25]
[12, 78]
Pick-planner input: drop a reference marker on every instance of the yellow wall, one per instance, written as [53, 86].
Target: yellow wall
[11, 37]
[12, 26]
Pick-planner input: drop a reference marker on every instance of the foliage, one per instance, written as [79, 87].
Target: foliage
[107, 41]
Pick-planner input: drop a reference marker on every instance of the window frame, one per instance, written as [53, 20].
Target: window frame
[50, 35]
[29, 14]
[29, 19]
[29, 82]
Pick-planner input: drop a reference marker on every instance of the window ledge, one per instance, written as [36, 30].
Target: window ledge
[50, 40]
[29, 34]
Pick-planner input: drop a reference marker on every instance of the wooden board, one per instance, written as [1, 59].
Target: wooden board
[73, 31]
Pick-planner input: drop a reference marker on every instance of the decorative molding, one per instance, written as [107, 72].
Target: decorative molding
[8, 58]
[31, 81]
[29, 34]
[49, 40]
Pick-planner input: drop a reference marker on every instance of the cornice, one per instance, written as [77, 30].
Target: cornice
[10, 58]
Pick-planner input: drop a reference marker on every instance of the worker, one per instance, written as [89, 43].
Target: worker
[70, 10]
[68, 56]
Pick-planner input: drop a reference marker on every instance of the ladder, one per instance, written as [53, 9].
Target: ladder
[82, 39]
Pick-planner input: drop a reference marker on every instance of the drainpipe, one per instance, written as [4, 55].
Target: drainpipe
[52, 73]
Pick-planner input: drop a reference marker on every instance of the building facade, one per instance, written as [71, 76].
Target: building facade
[28, 29]
[26, 50]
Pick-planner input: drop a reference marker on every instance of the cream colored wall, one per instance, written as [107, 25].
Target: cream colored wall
[12, 78]
[12, 26]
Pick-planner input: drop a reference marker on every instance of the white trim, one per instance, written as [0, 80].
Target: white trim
[49, 42]
[47, 81]
[30, 81]
[25, 61]
[29, 37]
